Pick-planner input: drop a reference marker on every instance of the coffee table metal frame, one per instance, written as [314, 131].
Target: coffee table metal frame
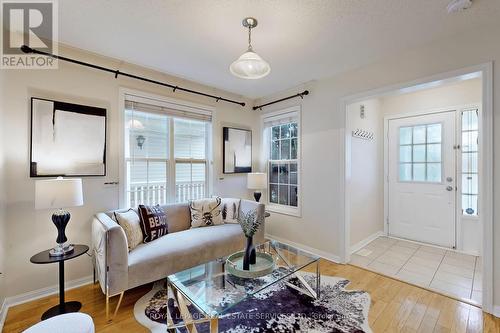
[189, 322]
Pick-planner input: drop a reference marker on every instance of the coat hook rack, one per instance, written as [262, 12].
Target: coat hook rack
[362, 134]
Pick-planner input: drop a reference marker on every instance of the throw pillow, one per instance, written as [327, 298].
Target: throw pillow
[153, 222]
[230, 209]
[205, 212]
[131, 224]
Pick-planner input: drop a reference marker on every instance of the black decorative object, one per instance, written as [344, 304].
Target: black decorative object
[61, 220]
[257, 195]
[237, 150]
[45, 258]
[250, 223]
[73, 133]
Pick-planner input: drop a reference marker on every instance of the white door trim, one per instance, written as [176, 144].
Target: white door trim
[486, 166]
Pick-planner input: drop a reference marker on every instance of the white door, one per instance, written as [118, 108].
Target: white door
[422, 182]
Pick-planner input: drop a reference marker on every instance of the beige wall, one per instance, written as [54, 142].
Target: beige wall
[453, 94]
[366, 189]
[3, 246]
[323, 130]
[30, 231]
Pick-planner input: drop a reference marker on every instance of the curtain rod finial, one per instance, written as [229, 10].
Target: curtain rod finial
[26, 49]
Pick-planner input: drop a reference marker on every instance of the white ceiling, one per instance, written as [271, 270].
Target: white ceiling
[302, 40]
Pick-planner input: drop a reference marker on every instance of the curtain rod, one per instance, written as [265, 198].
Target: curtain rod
[27, 49]
[301, 95]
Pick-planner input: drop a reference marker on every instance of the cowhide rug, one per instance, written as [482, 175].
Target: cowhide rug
[276, 309]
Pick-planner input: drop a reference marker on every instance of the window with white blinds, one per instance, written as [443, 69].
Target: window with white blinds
[282, 142]
[166, 152]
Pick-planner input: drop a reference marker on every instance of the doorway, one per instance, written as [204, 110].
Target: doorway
[433, 193]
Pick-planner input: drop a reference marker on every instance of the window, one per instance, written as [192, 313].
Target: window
[165, 154]
[282, 138]
[470, 179]
[420, 153]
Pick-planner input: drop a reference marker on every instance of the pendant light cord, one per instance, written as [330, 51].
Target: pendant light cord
[250, 39]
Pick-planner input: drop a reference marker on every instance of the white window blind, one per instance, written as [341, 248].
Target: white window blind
[166, 152]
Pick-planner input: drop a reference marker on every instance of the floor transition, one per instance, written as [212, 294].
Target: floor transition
[451, 273]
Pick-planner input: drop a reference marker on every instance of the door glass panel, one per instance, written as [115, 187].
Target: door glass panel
[469, 183]
[419, 172]
[469, 141]
[405, 135]
[434, 152]
[419, 134]
[434, 133]
[469, 162]
[405, 172]
[419, 153]
[434, 172]
[405, 154]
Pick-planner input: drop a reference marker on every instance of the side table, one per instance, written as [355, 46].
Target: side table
[44, 258]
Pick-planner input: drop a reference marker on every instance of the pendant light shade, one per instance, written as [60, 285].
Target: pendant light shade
[250, 65]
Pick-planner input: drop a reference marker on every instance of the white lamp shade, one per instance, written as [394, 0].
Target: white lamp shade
[250, 66]
[58, 193]
[257, 180]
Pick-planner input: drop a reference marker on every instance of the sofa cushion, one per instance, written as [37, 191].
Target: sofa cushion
[206, 212]
[178, 217]
[230, 210]
[153, 222]
[182, 250]
[131, 224]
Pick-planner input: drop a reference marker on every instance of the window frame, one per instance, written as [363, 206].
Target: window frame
[187, 107]
[266, 154]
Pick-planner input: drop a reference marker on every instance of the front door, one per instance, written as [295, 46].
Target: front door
[421, 177]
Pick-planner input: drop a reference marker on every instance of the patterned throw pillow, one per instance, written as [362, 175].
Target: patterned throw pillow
[131, 224]
[230, 209]
[153, 222]
[205, 212]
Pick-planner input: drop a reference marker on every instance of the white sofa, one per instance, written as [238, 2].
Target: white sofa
[119, 270]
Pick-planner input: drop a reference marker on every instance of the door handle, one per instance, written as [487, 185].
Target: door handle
[449, 188]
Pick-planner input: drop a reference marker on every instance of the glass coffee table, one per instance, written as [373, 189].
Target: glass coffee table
[213, 291]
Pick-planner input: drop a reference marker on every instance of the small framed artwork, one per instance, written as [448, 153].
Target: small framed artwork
[67, 139]
[237, 150]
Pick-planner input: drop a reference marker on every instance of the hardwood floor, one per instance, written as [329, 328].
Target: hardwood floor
[396, 307]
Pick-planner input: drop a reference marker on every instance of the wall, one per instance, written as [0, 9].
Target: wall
[319, 227]
[30, 231]
[366, 185]
[462, 93]
[3, 246]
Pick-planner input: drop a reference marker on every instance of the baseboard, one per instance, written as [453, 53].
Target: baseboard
[40, 293]
[361, 244]
[496, 311]
[319, 253]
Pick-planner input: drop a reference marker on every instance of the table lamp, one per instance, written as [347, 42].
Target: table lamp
[59, 194]
[257, 181]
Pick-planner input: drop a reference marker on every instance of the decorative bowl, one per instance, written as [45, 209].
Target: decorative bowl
[264, 265]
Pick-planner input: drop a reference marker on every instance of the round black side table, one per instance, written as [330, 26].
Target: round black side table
[44, 258]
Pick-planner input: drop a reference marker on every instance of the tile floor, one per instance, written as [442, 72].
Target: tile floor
[449, 272]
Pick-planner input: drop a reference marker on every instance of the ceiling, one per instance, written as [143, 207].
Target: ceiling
[303, 40]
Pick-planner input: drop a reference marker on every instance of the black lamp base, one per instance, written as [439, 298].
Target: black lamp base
[257, 195]
[61, 219]
[66, 307]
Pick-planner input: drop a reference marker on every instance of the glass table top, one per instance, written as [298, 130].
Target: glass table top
[213, 290]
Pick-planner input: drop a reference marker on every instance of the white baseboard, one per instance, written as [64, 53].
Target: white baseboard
[40, 293]
[361, 244]
[496, 311]
[319, 253]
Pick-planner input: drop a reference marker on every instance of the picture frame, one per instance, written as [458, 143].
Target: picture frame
[67, 139]
[237, 150]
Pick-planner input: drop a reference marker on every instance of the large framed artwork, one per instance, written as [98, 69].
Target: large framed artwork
[67, 139]
[237, 150]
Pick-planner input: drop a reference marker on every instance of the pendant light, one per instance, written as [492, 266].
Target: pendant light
[250, 65]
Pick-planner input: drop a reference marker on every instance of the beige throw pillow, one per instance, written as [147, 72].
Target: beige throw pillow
[131, 224]
[230, 210]
[206, 212]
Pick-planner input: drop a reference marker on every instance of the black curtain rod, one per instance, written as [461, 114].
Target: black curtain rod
[301, 95]
[27, 49]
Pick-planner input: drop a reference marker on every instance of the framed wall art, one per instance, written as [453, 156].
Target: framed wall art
[237, 150]
[67, 139]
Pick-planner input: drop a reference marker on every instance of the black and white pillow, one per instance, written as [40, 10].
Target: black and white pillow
[206, 212]
[153, 222]
[230, 210]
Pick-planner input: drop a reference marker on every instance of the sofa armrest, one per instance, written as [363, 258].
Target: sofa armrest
[247, 206]
[110, 253]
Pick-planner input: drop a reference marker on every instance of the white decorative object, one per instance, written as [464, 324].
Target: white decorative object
[131, 224]
[250, 65]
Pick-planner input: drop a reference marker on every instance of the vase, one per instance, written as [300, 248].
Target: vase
[250, 257]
